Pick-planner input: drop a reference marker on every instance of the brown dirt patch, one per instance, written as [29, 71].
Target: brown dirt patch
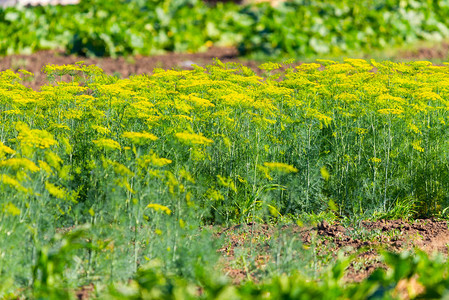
[84, 292]
[364, 240]
[437, 52]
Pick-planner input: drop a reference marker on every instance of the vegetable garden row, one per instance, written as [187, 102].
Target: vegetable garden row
[294, 28]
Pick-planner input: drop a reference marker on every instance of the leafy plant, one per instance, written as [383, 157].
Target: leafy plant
[293, 28]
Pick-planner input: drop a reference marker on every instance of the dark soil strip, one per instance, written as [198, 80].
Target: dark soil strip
[364, 239]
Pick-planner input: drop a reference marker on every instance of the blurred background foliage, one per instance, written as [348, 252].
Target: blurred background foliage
[298, 28]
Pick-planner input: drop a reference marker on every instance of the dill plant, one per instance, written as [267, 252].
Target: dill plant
[147, 161]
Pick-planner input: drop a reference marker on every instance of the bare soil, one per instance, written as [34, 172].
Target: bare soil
[439, 52]
[364, 239]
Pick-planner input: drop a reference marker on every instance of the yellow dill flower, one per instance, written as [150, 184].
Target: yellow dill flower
[11, 209]
[272, 90]
[61, 69]
[389, 99]
[237, 99]
[53, 126]
[159, 207]
[359, 64]
[53, 159]
[406, 82]
[298, 82]
[22, 101]
[186, 175]
[417, 145]
[182, 106]
[392, 111]
[270, 66]
[227, 182]
[12, 112]
[347, 97]
[122, 169]
[197, 101]
[20, 164]
[199, 154]
[73, 114]
[420, 64]
[214, 194]
[5, 150]
[143, 104]
[151, 120]
[373, 89]
[339, 68]
[182, 118]
[192, 138]
[325, 173]
[64, 173]
[308, 67]
[68, 148]
[71, 88]
[139, 138]
[123, 182]
[152, 159]
[426, 94]
[326, 62]
[420, 107]
[107, 144]
[160, 73]
[375, 160]
[172, 182]
[55, 191]
[119, 168]
[25, 72]
[155, 173]
[34, 138]
[9, 76]
[46, 167]
[414, 128]
[101, 129]
[199, 84]
[360, 131]
[12, 182]
[320, 116]
[280, 167]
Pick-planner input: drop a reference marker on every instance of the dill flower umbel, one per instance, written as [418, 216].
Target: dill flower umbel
[101, 129]
[55, 191]
[12, 182]
[152, 159]
[11, 209]
[159, 207]
[392, 111]
[139, 137]
[107, 144]
[5, 150]
[34, 138]
[20, 164]
[417, 146]
[192, 138]
[280, 167]
[197, 101]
